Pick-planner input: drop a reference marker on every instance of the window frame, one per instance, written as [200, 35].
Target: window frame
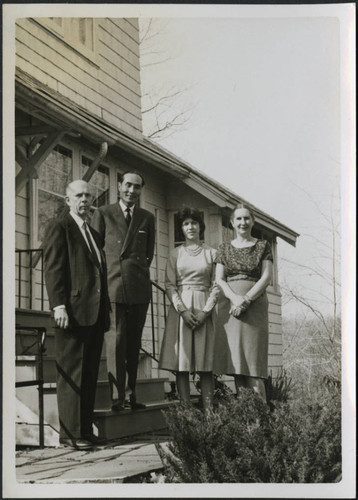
[66, 34]
[77, 151]
[34, 200]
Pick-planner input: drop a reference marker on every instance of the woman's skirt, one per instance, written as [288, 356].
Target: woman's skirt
[241, 345]
[184, 349]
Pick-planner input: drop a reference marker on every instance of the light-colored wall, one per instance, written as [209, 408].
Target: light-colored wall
[275, 332]
[107, 85]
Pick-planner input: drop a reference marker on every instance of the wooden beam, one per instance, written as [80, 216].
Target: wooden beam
[41, 131]
[20, 157]
[37, 159]
[32, 131]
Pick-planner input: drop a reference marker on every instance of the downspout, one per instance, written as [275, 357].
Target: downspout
[96, 162]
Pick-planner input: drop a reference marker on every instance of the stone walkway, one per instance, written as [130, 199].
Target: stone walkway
[113, 463]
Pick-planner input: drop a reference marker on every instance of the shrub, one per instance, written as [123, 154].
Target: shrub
[278, 388]
[242, 441]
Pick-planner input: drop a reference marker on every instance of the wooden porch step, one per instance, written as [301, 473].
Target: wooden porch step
[112, 425]
[148, 390]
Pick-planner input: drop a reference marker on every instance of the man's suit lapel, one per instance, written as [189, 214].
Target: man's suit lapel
[136, 219]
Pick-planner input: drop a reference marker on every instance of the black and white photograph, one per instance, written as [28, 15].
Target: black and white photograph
[179, 251]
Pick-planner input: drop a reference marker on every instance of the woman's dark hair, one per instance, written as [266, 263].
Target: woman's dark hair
[191, 213]
[242, 205]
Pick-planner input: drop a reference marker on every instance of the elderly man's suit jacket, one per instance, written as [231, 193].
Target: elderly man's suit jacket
[129, 252]
[72, 277]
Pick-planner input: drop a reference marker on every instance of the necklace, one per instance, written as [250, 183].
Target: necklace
[193, 251]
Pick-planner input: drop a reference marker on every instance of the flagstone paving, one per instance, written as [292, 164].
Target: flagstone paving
[111, 463]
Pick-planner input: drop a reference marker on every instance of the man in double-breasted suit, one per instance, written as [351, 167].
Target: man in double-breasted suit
[128, 236]
[76, 282]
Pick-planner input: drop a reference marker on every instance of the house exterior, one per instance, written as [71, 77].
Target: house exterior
[78, 114]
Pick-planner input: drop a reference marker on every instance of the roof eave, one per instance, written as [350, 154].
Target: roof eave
[35, 96]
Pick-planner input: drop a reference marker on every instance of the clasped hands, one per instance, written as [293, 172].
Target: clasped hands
[194, 320]
[239, 305]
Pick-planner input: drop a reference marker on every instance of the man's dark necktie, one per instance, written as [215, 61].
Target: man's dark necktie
[92, 248]
[128, 216]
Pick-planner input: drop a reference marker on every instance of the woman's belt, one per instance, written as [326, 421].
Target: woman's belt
[241, 277]
[200, 288]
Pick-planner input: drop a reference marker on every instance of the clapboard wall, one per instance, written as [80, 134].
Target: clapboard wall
[105, 81]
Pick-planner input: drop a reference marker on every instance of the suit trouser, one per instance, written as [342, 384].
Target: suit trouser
[123, 343]
[78, 355]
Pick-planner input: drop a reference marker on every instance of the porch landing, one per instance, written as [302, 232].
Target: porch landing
[114, 463]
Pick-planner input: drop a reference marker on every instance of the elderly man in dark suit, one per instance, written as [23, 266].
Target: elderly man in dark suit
[76, 282]
[128, 234]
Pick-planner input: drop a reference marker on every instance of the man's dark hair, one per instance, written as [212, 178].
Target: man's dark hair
[135, 172]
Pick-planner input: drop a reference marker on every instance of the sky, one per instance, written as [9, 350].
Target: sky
[263, 100]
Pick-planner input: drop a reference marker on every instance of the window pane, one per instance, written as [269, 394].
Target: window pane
[82, 31]
[85, 29]
[99, 183]
[50, 206]
[54, 175]
[56, 171]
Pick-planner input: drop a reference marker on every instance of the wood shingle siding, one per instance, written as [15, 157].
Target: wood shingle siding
[109, 89]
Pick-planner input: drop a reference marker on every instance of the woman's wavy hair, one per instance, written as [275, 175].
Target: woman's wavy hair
[191, 213]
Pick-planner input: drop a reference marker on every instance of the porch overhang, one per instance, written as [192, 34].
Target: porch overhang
[54, 109]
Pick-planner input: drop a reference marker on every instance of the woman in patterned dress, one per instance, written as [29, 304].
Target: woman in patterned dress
[243, 272]
[189, 337]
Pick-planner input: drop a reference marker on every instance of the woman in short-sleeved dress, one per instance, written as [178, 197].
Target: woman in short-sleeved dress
[243, 272]
[189, 337]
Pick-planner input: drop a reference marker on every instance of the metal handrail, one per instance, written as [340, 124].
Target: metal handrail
[41, 338]
[35, 255]
[158, 287]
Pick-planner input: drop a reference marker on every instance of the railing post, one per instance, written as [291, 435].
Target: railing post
[165, 308]
[19, 301]
[152, 315]
[42, 280]
[30, 276]
[40, 350]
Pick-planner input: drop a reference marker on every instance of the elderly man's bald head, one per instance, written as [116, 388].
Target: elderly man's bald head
[78, 197]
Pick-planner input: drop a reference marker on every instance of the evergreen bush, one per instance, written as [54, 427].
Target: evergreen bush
[242, 441]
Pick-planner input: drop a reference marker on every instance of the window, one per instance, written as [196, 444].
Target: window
[78, 32]
[99, 182]
[53, 176]
[82, 32]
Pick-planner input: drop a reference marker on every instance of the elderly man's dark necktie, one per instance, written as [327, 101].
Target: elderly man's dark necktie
[92, 248]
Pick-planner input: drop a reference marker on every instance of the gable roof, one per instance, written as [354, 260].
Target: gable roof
[60, 112]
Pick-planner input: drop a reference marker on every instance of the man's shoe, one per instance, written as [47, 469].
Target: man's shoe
[134, 404]
[77, 444]
[95, 440]
[117, 405]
